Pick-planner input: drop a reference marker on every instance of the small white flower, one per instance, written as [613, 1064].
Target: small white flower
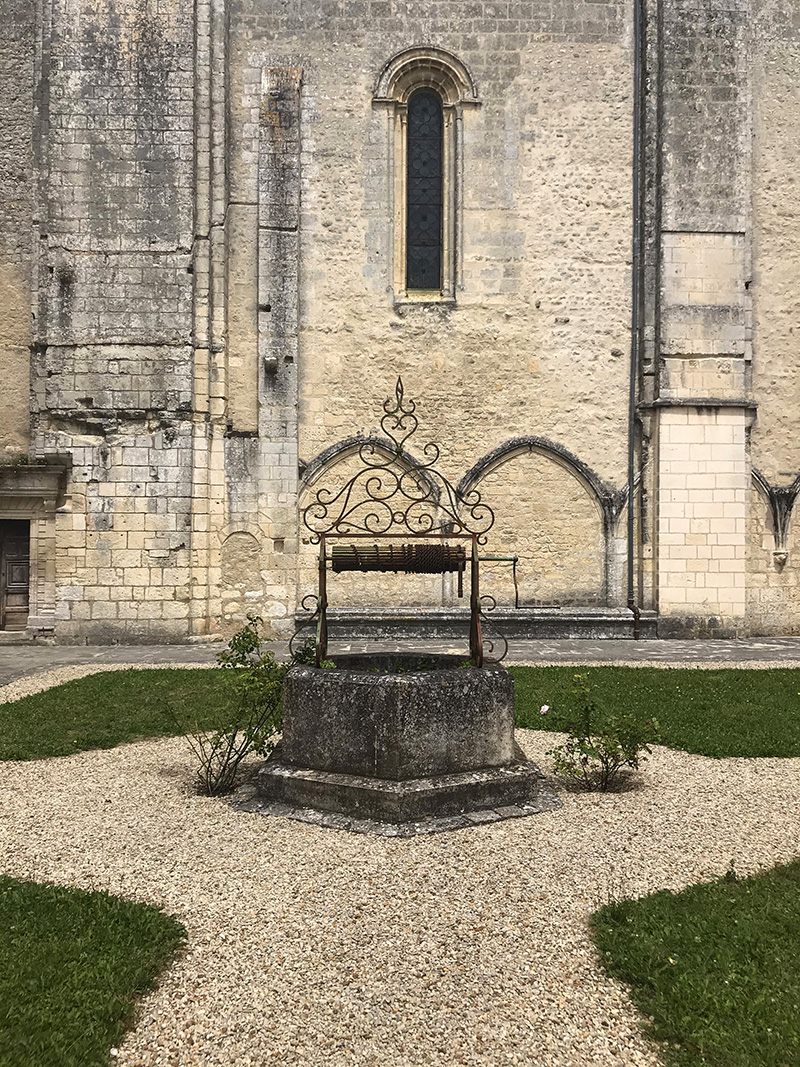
[544, 709]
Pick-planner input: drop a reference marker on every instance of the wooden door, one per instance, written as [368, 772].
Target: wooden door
[15, 565]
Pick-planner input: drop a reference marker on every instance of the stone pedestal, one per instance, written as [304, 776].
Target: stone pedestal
[401, 739]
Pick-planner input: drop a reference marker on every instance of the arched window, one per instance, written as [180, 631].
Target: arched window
[424, 201]
[425, 92]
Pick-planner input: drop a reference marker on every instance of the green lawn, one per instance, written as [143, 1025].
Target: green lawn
[71, 966]
[723, 712]
[716, 967]
[106, 709]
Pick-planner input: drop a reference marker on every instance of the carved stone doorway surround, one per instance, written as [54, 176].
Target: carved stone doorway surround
[33, 493]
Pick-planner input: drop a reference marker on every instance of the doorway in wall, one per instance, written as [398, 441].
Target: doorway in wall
[15, 565]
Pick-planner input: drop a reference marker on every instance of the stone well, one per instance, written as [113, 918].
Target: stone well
[401, 738]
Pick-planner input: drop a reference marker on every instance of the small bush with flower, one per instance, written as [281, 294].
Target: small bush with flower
[600, 743]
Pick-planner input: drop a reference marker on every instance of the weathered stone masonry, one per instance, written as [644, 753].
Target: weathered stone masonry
[112, 346]
[201, 300]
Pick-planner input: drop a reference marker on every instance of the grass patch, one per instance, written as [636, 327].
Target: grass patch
[103, 710]
[716, 967]
[71, 966]
[724, 712]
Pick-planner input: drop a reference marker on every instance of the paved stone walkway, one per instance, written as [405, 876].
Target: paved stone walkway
[16, 661]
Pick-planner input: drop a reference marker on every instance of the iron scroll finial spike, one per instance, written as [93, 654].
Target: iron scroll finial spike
[392, 491]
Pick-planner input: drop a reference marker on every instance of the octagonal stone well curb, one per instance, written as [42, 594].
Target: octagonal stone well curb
[400, 744]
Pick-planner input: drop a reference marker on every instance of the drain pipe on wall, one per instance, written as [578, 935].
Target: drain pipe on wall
[636, 295]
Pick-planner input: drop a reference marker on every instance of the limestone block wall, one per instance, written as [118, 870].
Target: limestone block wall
[773, 587]
[702, 406]
[202, 298]
[702, 508]
[112, 370]
[549, 519]
[558, 518]
[772, 578]
[533, 342]
[17, 50]
[706, 343]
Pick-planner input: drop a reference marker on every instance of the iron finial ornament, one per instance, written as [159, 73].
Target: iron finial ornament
[396, 494]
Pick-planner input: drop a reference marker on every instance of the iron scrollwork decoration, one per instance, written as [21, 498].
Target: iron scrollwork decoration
[379, 499]
[313, 622]
[488, 604]
[392, 495]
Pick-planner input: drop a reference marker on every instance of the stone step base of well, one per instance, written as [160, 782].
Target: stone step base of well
[523, 624]
[247, 799]
[517, 787]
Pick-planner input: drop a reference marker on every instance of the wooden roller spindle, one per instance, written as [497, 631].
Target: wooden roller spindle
[405, 559]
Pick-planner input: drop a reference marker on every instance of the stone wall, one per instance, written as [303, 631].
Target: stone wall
[533, 342]
[775, 451]
[112, 375]
[201, 202]
[702, 404]
[17, 51]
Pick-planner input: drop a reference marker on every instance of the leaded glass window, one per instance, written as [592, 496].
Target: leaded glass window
[424, 191]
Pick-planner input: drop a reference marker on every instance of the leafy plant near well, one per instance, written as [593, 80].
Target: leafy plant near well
[252, 720]
[224, 713]
[106, 709]
[601, 742]
[71, 967]
[716, 968]
[721, 712]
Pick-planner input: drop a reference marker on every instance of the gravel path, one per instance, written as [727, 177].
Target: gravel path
[310, 946]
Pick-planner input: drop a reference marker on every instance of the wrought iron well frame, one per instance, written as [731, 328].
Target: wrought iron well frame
[391, 504]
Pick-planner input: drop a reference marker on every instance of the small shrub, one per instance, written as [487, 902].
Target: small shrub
[253, 719]
[305, 655]
[601, 743]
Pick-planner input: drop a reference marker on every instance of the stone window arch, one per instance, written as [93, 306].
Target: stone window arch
[414, 76]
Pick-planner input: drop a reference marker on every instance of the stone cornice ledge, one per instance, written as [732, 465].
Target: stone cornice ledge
[698, 402]
[43, 481]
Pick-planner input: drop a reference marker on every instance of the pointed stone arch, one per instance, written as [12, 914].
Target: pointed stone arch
[311, 472]
[602, 500]
[611, 501]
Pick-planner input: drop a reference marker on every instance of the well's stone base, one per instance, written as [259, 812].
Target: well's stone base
[542, 798]
[517, 784]
[399, 740]
[398, 716]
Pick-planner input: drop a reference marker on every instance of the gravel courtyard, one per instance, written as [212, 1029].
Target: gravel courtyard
[310, 946]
